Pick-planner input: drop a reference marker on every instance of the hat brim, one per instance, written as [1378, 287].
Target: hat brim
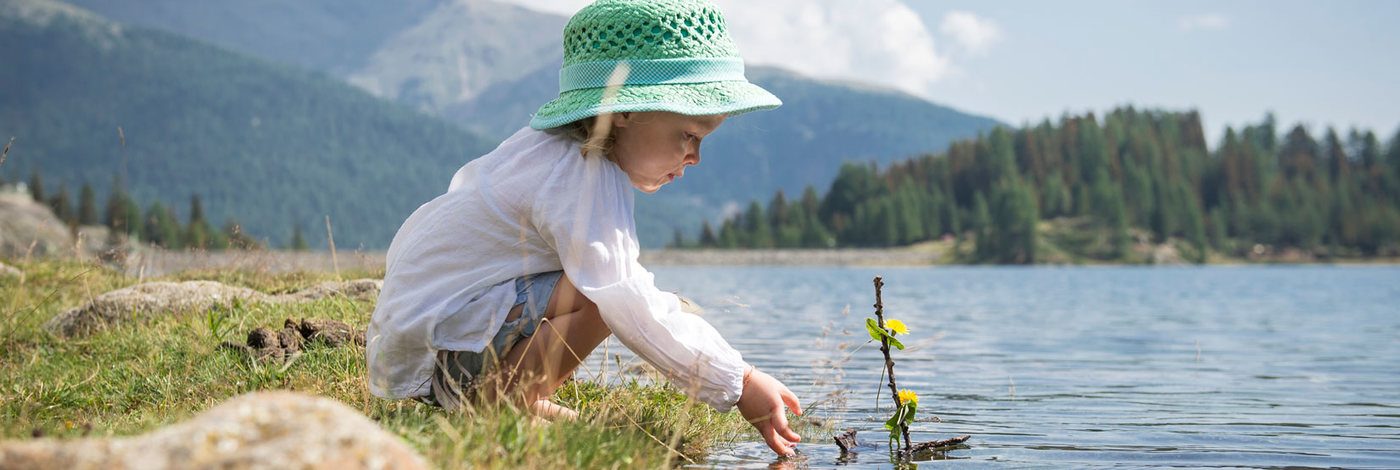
[730, 98]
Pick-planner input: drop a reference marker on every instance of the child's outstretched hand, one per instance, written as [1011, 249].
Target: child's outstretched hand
[762, 405]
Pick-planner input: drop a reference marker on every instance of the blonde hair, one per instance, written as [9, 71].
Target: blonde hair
[585, 132]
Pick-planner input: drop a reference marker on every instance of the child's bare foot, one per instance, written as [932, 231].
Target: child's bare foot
[551, 411]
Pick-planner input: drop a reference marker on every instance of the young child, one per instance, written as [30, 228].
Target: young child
[529, 261]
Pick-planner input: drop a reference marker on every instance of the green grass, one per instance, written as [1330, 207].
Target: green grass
[135, 378]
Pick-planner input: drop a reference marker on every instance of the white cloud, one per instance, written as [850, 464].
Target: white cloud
[1204, 22]
[562, 7]
[973, 34]
[873, 41]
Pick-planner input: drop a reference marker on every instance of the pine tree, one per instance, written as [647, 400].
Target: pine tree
[1299, 155]
[1219, 237]
[133, 216]
[728, 235]
[196, 210]
[789, 234]
[948, 213]
[298, 242]
[87, 206]
[886, 223]
[1392, 155]
[1002, 163]
[1054, 196]
[63, 207]
[930, 205]
[1138, 193]
[36, 187]
[1148, 169]
[854, 184]
[161, 229]
[814, 235]
[760, 236]
[907, 213]
[777, 210]
[196, 234]
[1083, 203]
[981, 223]
[677, 241]
[123, 214]
[707, 236]
[1338, 165]
[1195, 225]
[1118, 222]
[1012, 236]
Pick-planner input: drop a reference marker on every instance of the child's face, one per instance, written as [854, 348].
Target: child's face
[654, 147]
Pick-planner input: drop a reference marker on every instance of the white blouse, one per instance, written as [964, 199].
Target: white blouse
[532, 205]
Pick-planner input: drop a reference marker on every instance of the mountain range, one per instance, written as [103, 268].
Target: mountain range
[374, 98]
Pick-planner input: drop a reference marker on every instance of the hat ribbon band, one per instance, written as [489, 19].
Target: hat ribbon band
[652, 72]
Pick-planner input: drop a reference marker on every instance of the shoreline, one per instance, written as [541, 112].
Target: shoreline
[155, 263]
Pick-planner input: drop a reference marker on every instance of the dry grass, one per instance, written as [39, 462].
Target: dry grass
[132, 379]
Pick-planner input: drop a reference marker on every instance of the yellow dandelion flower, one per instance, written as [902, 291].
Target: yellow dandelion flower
[897, 327]
[906, 396]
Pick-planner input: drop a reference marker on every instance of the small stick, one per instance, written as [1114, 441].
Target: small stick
[330, 238]
[121, 138]
[847, 441]
[940, 445]
[6, 151]
[889, 362]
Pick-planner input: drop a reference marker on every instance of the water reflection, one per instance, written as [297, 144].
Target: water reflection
[1080, 367]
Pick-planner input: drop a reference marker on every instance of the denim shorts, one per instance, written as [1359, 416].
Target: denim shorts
[455, 372]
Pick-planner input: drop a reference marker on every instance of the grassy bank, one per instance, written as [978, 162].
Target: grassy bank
[138, 377]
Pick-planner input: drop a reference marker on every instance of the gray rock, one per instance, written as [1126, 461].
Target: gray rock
[28, 228]
[359, 289]
[9, 271]
[145, 301]
[254, 431]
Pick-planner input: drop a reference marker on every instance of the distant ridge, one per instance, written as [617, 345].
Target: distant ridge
[268, 144]
[487, 66]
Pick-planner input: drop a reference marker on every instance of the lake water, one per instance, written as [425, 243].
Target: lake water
[1081, 367]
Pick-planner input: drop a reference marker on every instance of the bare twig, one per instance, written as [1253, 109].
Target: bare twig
[121, 177]
[889, 362]
[330, 239]
[6, 151]
[945, 444]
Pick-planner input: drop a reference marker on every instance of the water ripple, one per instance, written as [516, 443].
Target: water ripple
[1081, 367]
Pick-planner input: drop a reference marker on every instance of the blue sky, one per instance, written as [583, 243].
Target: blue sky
[1321, 63]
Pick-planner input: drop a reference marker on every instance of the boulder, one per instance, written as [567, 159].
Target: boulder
[359, 289]
[144, 301]
[9, 271]
[28, 228]
[254, 431]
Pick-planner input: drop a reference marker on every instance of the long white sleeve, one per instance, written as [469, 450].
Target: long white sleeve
[588, 222]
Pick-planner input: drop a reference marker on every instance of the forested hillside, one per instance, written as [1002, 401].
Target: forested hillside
[91, 101]
[1333, 196]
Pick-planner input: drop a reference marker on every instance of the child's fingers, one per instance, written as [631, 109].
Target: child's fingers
[780, 423]
[787, 433]
[778, 444]
[791, 400]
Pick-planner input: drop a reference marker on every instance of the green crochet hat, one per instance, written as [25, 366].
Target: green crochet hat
[650, 55]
